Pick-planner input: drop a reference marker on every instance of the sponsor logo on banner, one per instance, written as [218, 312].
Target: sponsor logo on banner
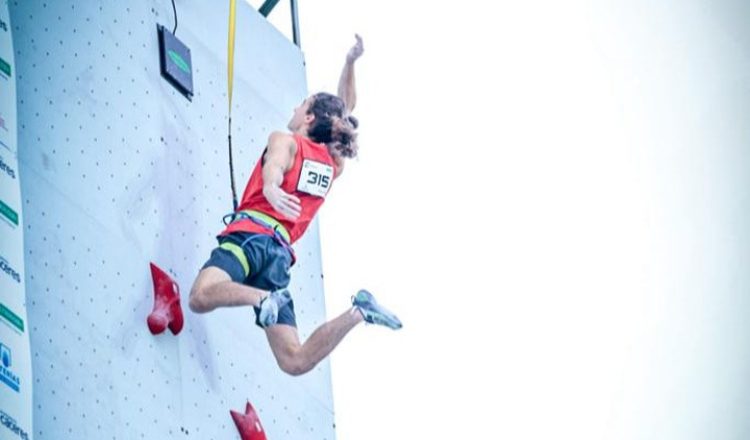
[3, 25]
[6, 375]
[12, 319]
[8, 213]
[10, 423]
[5, 168]
[8, 269]
[5, 67]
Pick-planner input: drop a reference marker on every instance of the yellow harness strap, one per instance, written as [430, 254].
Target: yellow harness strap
[237, 251]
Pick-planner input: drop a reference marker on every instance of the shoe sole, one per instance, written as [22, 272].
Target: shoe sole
[379, 315]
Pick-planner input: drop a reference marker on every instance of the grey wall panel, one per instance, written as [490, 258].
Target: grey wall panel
[119, 169]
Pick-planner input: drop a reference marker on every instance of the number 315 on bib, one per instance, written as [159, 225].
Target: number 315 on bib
[315, 178]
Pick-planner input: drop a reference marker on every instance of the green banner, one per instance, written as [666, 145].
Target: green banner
[11, 317]
[9, 213]
[4, 67]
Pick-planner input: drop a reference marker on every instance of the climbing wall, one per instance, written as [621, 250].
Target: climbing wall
[119, 169]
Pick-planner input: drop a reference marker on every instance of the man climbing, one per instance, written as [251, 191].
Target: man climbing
[286, 188]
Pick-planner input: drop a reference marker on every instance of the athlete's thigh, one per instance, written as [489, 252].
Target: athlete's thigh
[209, 276]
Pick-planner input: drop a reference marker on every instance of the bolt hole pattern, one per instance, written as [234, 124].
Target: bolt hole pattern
[120, 170]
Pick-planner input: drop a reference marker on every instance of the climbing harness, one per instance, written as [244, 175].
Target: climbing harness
[280, 233]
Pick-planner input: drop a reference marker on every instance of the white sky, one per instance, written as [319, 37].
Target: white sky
[550, 195]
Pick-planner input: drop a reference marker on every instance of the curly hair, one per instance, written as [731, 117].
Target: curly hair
[332, 126]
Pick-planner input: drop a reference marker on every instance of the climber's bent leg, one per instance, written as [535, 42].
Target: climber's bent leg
[214, 288]
[295, 358]
[242, 271]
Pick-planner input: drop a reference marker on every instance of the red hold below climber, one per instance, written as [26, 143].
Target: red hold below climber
[167, 311]
[248, 424]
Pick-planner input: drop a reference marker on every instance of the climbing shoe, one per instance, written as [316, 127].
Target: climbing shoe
[270, 306]
[373, 312]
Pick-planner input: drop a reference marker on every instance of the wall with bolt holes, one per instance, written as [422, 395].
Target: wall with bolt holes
[118, 169]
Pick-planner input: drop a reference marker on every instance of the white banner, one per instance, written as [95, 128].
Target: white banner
[15, 351]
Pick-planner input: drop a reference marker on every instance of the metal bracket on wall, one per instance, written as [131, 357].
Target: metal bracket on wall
[268, 6]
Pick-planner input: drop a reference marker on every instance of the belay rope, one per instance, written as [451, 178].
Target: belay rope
[230, 79]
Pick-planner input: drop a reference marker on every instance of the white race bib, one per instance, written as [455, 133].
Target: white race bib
[315, 178]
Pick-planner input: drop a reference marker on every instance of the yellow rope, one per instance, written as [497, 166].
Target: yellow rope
[230, 50]
[230, 81]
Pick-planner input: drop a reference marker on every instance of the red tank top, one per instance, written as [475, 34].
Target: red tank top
[309, 178]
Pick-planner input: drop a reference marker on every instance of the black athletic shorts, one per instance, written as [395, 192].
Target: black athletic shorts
[256, 260]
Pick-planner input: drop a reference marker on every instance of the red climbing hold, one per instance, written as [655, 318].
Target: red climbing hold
[248, 424]
[167, 311]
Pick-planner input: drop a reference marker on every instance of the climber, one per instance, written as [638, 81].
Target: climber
[286, 188]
